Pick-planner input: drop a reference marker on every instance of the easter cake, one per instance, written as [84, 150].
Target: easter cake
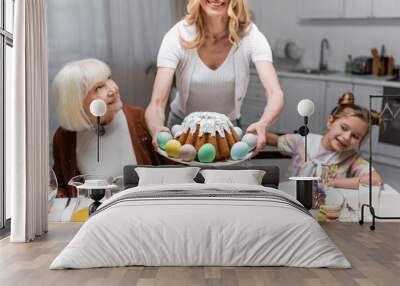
[206, 137]
[200, 128]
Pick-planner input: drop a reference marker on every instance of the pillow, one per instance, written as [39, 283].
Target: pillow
[166, 176]
[248, 177]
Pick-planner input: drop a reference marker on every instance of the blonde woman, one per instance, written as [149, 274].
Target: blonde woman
[125, 140]
[210, 52]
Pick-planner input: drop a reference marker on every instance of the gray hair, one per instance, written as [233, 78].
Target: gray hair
[71, 85]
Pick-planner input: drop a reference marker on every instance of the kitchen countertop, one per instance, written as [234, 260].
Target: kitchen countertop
[340, 77]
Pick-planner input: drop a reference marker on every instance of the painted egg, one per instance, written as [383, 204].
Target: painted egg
[250, 139]
[176, 130]
[239, 150]
[207, 153]
[162, 138]
[173, 148]
[238, 131]
[188, 152]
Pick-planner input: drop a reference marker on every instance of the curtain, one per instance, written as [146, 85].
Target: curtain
[180, 8]
[126, 34]
[27, 123]
[135, 33]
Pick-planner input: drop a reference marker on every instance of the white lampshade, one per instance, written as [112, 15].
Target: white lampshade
[305, 107]
[98, 107]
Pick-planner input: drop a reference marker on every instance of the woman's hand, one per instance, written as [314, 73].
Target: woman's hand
[154, 114]
[154, 136]
[274, 97]
[259, 128]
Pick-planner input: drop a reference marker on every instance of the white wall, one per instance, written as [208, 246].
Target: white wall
[278, 19]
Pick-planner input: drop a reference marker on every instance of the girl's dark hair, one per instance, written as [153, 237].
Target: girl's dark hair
[347, 107]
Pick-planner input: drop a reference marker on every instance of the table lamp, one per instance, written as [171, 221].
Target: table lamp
[305, 108]
[304, 185]
[98, 108]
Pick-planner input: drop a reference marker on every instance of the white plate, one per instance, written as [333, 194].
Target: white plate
[200, 164]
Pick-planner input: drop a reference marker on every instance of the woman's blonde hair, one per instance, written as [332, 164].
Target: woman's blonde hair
[71, 85]
[238, 22]
[347, 107]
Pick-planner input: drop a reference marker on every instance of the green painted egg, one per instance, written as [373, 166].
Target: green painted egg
[207, 153]
[239, 150]
[162, 138]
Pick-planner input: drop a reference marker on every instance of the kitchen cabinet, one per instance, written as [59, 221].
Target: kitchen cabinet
[362, 93]
[317, 9]
[296, 90]
[254, 102]
[372, 8]
[349, 9]
[358, 9]
[386, 8]
[325, 96]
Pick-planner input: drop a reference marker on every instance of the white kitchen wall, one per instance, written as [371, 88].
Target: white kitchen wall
[278, 20]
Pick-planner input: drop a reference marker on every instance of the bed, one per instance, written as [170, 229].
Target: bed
[198, 224]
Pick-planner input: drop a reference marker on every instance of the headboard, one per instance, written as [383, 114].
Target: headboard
[270, 179]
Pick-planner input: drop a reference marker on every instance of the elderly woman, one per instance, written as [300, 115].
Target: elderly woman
[126, 139]
[210, 52]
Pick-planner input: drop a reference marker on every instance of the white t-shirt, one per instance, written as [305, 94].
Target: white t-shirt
[116, 149]
[252, 48]
[213, 90]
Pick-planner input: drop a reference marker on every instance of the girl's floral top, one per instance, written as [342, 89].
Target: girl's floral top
[345, 164]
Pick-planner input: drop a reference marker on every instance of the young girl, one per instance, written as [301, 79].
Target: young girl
[339, 148]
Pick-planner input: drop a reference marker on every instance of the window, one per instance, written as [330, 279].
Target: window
[6, 44]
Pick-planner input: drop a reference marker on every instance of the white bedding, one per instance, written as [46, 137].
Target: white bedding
[183, 231]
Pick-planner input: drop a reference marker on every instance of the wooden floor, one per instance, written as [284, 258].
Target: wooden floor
[375, 257]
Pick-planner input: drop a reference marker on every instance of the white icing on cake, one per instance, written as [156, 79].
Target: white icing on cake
[209, 122]
[176, 131]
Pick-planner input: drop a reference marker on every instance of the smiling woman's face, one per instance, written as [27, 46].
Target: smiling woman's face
[215, 7]
[107, 91]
